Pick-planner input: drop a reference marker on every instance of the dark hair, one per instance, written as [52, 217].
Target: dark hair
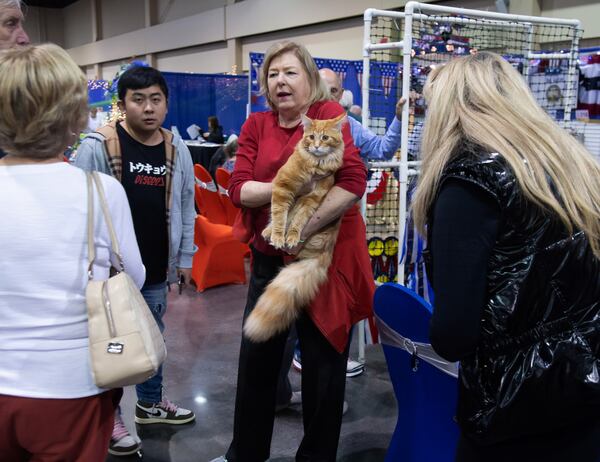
[140, 77]
[213, 123]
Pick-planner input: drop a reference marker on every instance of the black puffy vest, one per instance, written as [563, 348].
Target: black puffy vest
[537, 366]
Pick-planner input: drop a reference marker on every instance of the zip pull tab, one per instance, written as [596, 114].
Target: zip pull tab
[414, 361]
[411, 348]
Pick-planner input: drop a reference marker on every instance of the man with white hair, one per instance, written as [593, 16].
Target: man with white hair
[11, 24]
[371, 146]
[11, 27]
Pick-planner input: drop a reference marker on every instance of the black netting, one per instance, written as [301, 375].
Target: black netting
[437, 39]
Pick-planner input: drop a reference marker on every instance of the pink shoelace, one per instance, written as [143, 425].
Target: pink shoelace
[119, 429]
[168, 405]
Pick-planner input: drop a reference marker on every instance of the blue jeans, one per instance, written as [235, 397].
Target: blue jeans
[156, 297]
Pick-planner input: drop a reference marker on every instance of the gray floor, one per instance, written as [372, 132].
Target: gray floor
[203, 337]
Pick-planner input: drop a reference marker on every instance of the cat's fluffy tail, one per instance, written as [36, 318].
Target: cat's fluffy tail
[280, 304]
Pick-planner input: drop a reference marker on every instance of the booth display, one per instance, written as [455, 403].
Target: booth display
[195, 97]
[350, 72]
[427, 35]
[192, 99]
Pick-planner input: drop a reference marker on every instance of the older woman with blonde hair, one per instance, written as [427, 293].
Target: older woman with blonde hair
[511, 205]
[51, 408]
[292, 85]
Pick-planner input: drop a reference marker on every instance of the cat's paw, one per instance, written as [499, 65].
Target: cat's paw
[266, 234]
[293, 238]
[277, 240]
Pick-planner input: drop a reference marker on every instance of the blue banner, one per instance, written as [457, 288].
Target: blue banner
[383, 87]
[195, 97]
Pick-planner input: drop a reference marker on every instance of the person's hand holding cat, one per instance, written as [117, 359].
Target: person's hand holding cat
[300, 189]
[301, 183]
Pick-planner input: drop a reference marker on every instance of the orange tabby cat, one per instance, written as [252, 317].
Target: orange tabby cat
[318, 155]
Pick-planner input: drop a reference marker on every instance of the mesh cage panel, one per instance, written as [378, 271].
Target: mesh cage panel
[436, 38]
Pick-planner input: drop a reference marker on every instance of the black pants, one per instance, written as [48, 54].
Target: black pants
[284, 386]
[323, 384]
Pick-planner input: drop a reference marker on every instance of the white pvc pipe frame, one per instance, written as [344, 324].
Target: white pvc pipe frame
[407, 169]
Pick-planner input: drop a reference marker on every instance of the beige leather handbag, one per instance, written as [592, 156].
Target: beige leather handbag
[126, 346]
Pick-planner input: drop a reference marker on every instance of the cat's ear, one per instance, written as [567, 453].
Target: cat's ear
[340, 121]
[308, 123]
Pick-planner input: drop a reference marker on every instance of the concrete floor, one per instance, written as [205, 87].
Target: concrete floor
[203, 338]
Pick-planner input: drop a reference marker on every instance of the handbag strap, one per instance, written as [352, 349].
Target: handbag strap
[94, 178]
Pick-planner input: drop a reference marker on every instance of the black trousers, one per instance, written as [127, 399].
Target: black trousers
[323, 384]
[284, 386]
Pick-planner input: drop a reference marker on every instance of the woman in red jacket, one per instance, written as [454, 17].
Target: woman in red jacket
[290, 80]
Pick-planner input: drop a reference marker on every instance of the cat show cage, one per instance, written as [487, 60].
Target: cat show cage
[427, 35]
[543, 50]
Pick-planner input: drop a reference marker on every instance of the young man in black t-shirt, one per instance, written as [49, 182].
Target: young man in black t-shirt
[156, 171]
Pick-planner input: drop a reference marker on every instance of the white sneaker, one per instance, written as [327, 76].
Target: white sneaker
[354, 368]
[297, 363]
[219, 459]
[121, 441]
[296, 398]
[164, 412]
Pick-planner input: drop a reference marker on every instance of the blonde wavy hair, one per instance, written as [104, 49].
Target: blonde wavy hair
[318, 90]
[483, 100]
[43, 101]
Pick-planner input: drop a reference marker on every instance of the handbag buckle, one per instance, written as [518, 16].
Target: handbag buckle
[115, 348]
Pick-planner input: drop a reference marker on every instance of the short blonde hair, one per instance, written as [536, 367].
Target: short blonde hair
[43, 101]
[318, 90]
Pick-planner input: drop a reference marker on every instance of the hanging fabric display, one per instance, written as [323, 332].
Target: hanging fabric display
[589, 86]
[390, 250]
[376, 246]
[384, 74]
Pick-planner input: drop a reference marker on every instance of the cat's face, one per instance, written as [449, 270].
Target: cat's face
[321, 137]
